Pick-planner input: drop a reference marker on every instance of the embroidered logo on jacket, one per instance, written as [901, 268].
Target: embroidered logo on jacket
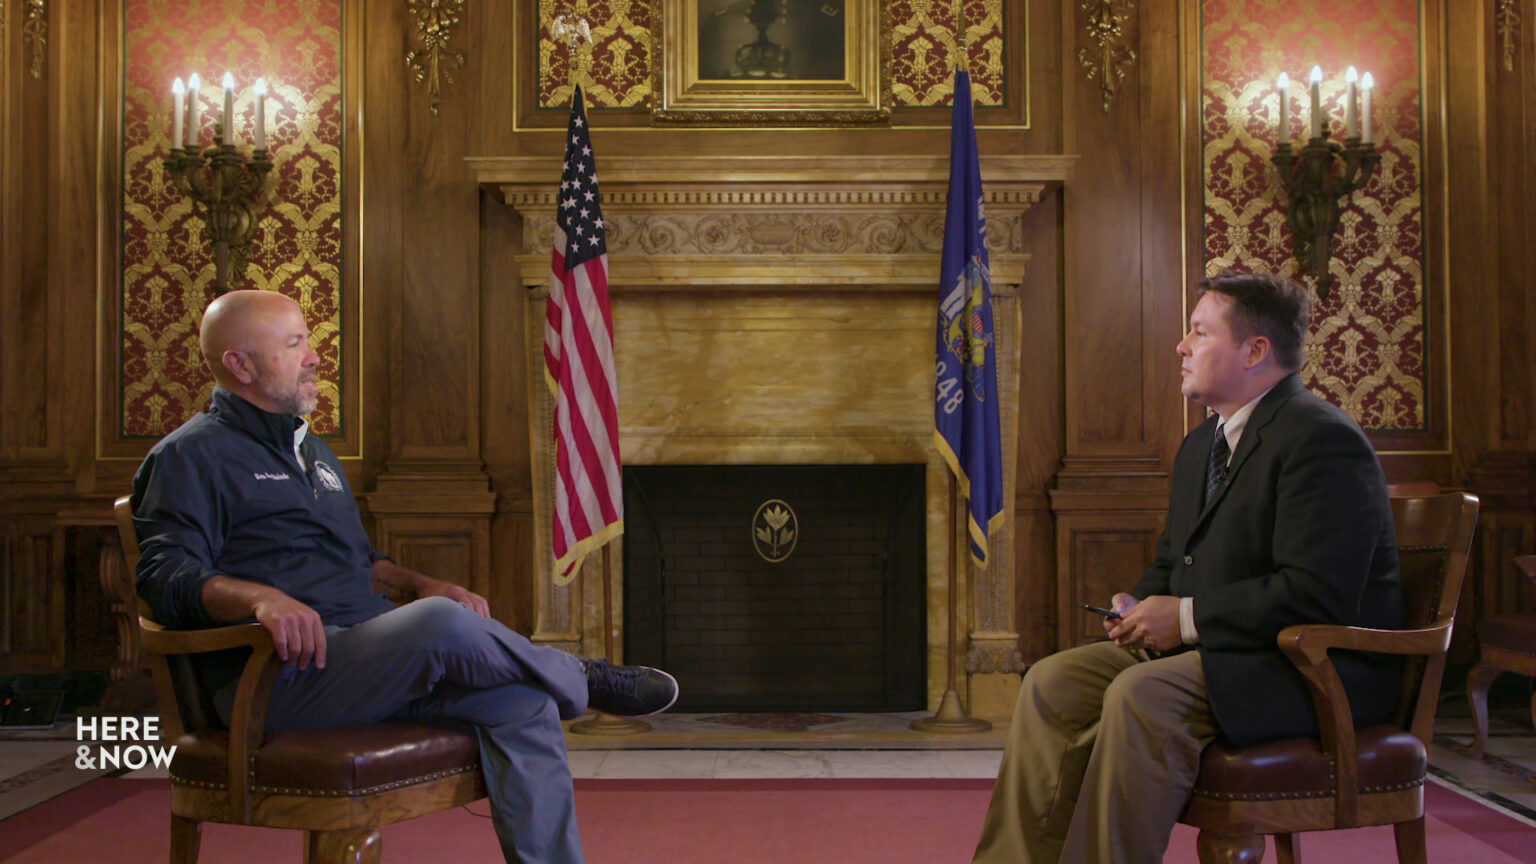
[326, 476]
[263, 475]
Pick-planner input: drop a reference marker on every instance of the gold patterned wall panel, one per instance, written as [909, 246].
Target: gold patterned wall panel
[167, 263]
[1367, 348]
[616, 65]
[924, 47]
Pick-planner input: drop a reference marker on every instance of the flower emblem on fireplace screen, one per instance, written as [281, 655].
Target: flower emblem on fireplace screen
[775, 529]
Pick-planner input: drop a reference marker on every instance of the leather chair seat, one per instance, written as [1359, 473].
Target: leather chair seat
[1390, 759]
[1511, 632]
[340, 761]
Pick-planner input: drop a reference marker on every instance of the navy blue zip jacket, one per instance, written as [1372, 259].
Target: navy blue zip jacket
[224, 495]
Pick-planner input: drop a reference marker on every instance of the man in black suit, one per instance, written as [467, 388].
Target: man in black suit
[1278, 515]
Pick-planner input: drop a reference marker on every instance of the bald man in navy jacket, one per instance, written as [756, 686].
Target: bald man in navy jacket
[242, 515]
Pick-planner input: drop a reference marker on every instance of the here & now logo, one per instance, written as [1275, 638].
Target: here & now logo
[120, 742]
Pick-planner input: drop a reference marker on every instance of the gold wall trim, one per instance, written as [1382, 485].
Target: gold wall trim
[1507, 25]
[34, 33]
[434, 63]
[2, 30]
[1111, 58]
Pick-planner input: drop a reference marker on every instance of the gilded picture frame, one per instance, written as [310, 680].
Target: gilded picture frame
[771, 63]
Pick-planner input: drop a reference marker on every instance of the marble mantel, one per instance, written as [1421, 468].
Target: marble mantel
[780, 310]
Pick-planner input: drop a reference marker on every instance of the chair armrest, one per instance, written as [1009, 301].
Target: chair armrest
[159, 640]
[1307, 645]
[1526, 564]
[247, 722]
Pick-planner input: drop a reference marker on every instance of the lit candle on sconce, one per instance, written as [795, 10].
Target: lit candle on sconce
[179, 111]
[195, 115]
[1284, 86]
[261, 113]
[1367, 84]
[1351, 117]
[227, 122]
[222, 181]
[1320, 175]
[1316, 79]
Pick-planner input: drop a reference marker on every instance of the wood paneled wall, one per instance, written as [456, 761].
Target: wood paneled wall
[1490, 229]
[441, 444]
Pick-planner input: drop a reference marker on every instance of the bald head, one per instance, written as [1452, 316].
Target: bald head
[257, 345]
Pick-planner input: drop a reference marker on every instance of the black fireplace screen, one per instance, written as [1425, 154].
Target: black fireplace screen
[779, 588]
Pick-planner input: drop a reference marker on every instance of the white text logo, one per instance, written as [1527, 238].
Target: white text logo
[108, 734]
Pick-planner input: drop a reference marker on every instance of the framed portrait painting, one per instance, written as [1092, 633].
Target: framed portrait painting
[770, 62]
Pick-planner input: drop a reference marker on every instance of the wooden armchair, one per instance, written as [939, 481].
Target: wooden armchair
[1351, 777]
[1506, 643]
[337, 785]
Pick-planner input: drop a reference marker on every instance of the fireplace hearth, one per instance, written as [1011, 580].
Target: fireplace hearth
[781, 587]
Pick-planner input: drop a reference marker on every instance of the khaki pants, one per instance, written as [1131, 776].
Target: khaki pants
[1102, 754]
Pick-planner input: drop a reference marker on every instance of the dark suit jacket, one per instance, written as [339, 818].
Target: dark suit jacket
[1301, 533]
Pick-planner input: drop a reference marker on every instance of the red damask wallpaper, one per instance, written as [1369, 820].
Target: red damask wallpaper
[921, 35]
[167, 263]
[1366, 353]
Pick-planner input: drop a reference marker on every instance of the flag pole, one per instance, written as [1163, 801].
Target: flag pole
[952, 718]
[574, 31]
[600, 723]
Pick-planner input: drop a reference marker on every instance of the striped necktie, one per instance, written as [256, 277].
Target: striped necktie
[1216, 470]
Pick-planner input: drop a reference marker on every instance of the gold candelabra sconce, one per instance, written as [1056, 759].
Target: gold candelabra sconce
[1324, 173]
[220, 180]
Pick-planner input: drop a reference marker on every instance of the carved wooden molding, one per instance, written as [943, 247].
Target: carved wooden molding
[1111, 58]
[1507, 24]
[773, 233]
[994, 653]
[797, 198]
[729, 220]
[434, 63]
[34, 34]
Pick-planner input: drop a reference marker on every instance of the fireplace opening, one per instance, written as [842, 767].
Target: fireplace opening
[779, 588]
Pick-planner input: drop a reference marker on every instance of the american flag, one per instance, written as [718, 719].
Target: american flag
[578, 362]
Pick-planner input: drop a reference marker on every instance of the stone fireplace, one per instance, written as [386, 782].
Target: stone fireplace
[780, 311]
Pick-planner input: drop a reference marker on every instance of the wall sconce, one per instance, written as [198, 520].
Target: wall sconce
[227, 190]
[1313, 185]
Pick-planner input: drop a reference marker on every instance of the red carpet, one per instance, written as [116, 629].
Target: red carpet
[695, 822]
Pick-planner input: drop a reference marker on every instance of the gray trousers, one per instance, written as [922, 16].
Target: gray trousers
[1102, 754]
[436, 658]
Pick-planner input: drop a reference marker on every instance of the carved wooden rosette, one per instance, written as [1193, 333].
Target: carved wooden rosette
[781, 310]
[1111, 55]
[434, 63]
[34, 33]
[1507, 24]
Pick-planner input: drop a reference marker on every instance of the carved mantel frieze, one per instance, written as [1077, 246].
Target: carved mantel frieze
[874, 220]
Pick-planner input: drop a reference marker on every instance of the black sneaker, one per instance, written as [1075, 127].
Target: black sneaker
[628, 691]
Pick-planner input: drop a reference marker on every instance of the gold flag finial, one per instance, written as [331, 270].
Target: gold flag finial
[962, 39]
[574, 29]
